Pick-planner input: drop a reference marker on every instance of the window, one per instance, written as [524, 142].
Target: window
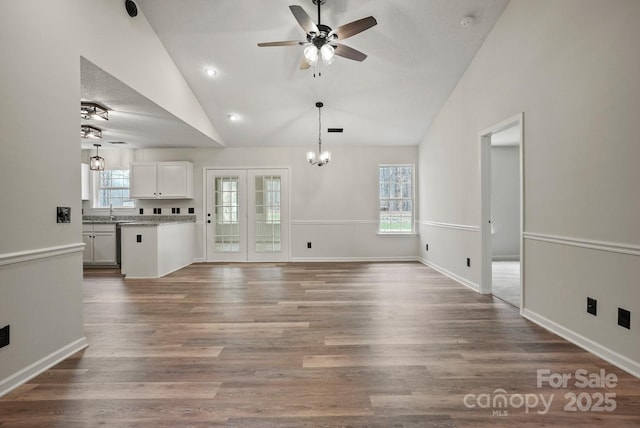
[396, 199]
[113, 189]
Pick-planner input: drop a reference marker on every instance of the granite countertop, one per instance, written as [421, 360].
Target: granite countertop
[140, 220]
[153, 223]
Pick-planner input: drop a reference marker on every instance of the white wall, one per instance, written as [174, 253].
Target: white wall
[334, 206]
[39, 170]
[505, 202]
[572, 68]
[40, 260]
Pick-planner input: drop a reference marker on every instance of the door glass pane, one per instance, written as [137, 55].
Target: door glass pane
[226, 228]
[267, 214]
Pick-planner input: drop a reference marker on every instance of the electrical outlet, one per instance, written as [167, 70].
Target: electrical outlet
[308, 244]
[138, 238]
[624, 318]
[192, 210]
[468, 262]
[426, 247]
[4, 336]
[592, 306]
[141, 210]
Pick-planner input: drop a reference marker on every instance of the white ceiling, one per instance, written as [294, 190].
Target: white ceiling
[133, 119]
[416, 55]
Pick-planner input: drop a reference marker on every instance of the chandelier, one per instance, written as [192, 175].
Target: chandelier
[323, 157]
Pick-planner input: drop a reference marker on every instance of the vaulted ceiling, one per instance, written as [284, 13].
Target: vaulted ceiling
[417, 53]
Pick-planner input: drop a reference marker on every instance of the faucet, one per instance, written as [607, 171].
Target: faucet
[111, 217]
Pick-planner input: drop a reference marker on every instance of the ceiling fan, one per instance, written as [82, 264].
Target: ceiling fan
[322, 41]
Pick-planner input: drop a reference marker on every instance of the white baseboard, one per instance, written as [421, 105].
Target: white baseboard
[353, 259]
[475, 287]
[620, 361]
[40, 366]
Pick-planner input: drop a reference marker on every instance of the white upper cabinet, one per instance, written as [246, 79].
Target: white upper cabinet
[84, 168]
[162, 180]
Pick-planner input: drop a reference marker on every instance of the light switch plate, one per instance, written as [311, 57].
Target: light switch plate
[63, 215]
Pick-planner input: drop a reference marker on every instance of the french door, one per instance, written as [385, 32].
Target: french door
[247, 215]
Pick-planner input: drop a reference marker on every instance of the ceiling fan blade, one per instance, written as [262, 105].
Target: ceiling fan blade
[304, 64]
[283, 43]
[304, 19]
[353, 28]
[350, 53]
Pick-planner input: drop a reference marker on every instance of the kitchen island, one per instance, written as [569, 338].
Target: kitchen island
[152, 246]
[155, 249]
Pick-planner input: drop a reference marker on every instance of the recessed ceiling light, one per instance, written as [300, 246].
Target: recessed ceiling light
[233, 117]
[210, 71]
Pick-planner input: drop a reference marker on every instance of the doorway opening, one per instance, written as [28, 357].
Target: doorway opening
[503, 210]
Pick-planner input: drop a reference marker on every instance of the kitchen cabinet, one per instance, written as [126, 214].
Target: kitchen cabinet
[100, 244]
[84, 174]
[162, 180]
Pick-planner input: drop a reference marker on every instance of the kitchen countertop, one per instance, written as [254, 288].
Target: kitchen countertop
[140, 220]
[153, 223]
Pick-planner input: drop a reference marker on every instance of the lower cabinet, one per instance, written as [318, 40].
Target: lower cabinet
[100, 244]
[152, 251]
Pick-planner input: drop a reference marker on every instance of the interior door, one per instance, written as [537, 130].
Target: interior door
[247, 215]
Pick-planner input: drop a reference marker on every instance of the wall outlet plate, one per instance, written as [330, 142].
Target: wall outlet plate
[4, 336]
[592, 306]
[624, 318]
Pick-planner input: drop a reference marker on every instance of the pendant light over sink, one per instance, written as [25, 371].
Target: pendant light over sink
[96, 163]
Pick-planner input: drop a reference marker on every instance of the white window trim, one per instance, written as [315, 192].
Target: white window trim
[95, 194]
[413, 231]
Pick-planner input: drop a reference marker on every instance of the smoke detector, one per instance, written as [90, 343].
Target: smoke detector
[467, 21]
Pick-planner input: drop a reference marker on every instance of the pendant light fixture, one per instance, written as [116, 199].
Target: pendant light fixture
[96, 163]
[323, 157]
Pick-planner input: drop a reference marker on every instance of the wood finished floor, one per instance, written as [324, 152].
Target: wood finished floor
[306, 345]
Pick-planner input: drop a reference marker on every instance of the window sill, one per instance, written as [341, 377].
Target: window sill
[397, 234]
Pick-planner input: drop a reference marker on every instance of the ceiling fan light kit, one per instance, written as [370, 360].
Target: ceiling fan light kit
[322, 43]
